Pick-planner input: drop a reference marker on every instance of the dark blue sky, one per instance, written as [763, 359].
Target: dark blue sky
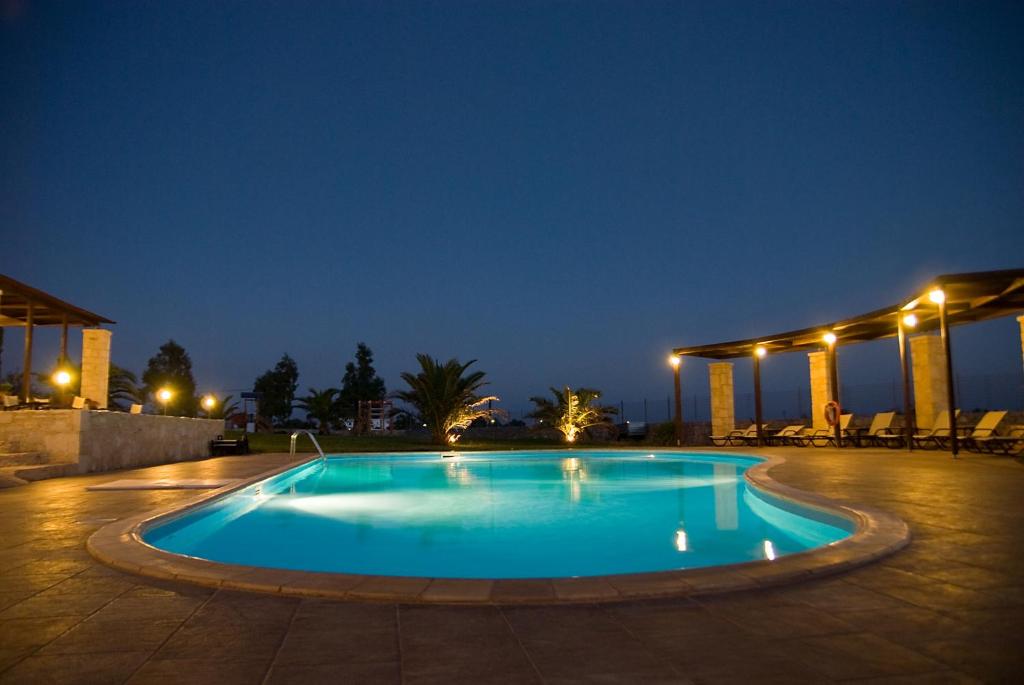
[561, 190]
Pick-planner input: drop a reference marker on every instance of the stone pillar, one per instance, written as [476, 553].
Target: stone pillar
[723, 407]
[821, 387]
[928, 364]
[1020, 320]
[95, 365]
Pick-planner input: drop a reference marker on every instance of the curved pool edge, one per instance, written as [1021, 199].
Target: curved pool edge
[877, 534]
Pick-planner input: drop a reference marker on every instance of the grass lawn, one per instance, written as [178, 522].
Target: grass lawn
[337, 444]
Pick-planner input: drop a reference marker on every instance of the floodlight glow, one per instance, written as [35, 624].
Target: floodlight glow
[910, 320]
[62, 378]
[760, 351]
[937, 296]
[674, 360]
[209, 402]
[164, 395]
[830, 338]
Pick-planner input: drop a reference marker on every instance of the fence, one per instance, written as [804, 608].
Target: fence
[974, 393]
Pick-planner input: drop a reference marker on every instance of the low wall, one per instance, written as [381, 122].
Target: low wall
[106, 440]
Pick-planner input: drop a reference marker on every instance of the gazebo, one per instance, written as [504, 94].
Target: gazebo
[23, 306]
[946, 301]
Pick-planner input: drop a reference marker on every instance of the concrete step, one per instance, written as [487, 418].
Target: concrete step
[11, 476]
[21, 458]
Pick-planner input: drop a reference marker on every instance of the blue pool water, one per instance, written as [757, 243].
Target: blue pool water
[501, 515]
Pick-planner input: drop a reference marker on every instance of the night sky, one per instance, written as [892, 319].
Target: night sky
[563, 191]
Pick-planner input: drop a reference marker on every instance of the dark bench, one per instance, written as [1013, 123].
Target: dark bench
[221, 446]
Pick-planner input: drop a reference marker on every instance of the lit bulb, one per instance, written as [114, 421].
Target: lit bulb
[830, 338]
[760, 351]
[674, 360]
[910, 320]
[937, 296]
[62, 378]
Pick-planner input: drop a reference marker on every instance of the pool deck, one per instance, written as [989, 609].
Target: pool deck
[948, 608]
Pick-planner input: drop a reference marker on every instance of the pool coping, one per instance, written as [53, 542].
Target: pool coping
[876, 534]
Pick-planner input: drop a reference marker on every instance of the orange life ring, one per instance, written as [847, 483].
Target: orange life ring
[832, 412]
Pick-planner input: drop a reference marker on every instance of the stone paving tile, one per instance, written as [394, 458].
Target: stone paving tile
[81, 669]
[860, 655]
[460, 644]
[201, 672]
[108, 635]
[340, 632]
[305, 674]
[33, 632]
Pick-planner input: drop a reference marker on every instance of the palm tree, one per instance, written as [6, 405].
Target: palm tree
[321, 406]
[445, 398]
[226, 409]
[571, 412]
[123, 388]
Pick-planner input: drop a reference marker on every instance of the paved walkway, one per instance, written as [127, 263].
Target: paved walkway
[948, 609]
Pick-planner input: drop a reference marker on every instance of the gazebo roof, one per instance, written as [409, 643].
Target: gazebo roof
[969, 297]
[47, 310]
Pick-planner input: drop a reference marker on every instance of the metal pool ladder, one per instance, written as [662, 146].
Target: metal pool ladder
[295, 437]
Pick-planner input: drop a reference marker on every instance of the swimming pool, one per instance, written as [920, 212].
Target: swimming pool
[501, 515]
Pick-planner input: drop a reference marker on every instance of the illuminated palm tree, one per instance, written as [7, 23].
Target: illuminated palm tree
[571, 412]
[445, 398]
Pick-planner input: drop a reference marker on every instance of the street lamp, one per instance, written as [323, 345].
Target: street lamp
[209, 402]
[675, 361]
[164, 395]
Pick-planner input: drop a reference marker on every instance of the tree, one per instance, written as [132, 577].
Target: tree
[444, 397]
[123, 389]
[321, 406]
[571, 412]
[277, 389]
[226, 409]
[360, 383]
[171, 368]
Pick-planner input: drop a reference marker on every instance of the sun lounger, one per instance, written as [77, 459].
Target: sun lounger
[782, 437]
[1010, 443]
[940, 429]
[821, 437]
[880, 426]
[736, 437]
[985, 428]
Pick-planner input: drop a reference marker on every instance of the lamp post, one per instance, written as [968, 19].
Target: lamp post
[676, 361]
[164, 395]
[833, 381]
[903, 322]
[939, 297]
[759, 353]
[209, 402]
[62, 379]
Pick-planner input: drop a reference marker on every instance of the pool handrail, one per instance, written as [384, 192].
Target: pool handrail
[295, 437]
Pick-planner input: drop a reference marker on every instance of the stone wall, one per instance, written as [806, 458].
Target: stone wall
[53, 433]
[105, 440]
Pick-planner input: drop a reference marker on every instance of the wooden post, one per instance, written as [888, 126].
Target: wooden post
[679, 404]
[908, 407]
[833, 376]
[26, 367]
[954, 440]
[63, 340]
[757, 399]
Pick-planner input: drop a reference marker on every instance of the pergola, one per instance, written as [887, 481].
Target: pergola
[946, 301]
[25, 306]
